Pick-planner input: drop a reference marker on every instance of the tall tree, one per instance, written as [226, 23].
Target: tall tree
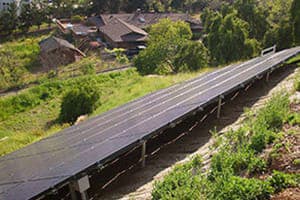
[8, 20]
[165, 40]
[249, 11]
[26, 17]
[295, 18]
[229, 40]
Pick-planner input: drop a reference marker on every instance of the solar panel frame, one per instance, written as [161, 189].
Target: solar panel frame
[40, 179]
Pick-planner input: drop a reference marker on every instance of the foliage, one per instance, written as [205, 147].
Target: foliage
[237, 159]
[280, 181]
[88, 69]
[77, 102]
[273, 115]
[228, 39]
[76, 19]
[170, 50]
[234, 187]
[33, 122]
[295, 19]
[26, 18]
[34, 13]
[8, 20]
[119, 54]
[17, 60]
[27, 100]
[254, 15]
[179, 184]
[191, 55]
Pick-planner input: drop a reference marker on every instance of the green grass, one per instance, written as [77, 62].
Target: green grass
[295, 59]
[18, 60]
[20, 65]
[31, 114]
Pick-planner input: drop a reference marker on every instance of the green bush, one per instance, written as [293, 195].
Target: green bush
[234, 187]
[88, 69]
[258, 142]
[179, 184]
[273, 115]
[280, 181]
[76, 19]
[294, 119]
[257, 165]
[191, 56]
[261, 138]
[165, 39]
[77, 102]
[27, 99]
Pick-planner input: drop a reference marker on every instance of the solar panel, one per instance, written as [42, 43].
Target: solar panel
[38, 167]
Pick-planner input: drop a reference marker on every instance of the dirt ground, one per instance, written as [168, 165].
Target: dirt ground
[288, 194]
[138, 185]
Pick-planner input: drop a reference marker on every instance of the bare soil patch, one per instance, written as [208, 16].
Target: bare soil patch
[288, 194]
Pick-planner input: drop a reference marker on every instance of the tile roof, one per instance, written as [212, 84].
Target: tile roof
[143, 20]
[52, 43]
[118, 30]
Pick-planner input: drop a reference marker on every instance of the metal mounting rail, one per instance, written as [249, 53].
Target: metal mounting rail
[67, 158]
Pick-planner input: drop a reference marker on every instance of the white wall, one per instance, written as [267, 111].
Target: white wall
[4, 4]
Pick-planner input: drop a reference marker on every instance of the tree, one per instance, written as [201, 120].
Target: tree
[191, 56]
[26, 18]
[249, 11]
[295, 19]
[228, 39]
[133, 5]
[77, 102]
[165, 39]
[8, 20]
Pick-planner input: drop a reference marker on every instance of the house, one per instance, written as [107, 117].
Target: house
[120, 34]
[4, 4]
[55, 52]
[128, 30]
[144, 20]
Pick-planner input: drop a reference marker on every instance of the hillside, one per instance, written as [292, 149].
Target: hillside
[200, 142]
[257, 160]
[32, 114]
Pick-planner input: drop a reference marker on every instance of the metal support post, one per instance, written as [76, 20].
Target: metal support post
[72, 191]
[84, 195]
[268, 77]
[81, 185]
[143, 155]
[219, 107]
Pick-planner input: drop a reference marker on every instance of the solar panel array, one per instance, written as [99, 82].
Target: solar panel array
[30, 171]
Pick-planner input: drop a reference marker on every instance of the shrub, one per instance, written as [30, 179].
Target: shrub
[280, 181]
[294, 119]
[273, 115]
[234, 187]
[258, 142]
[88, 69]
[256, 165]
[76, 19]
[165, 39]
[77, 102]
[179, 184]
[191, 56]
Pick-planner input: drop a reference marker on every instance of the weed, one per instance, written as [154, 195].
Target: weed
[280, 181]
